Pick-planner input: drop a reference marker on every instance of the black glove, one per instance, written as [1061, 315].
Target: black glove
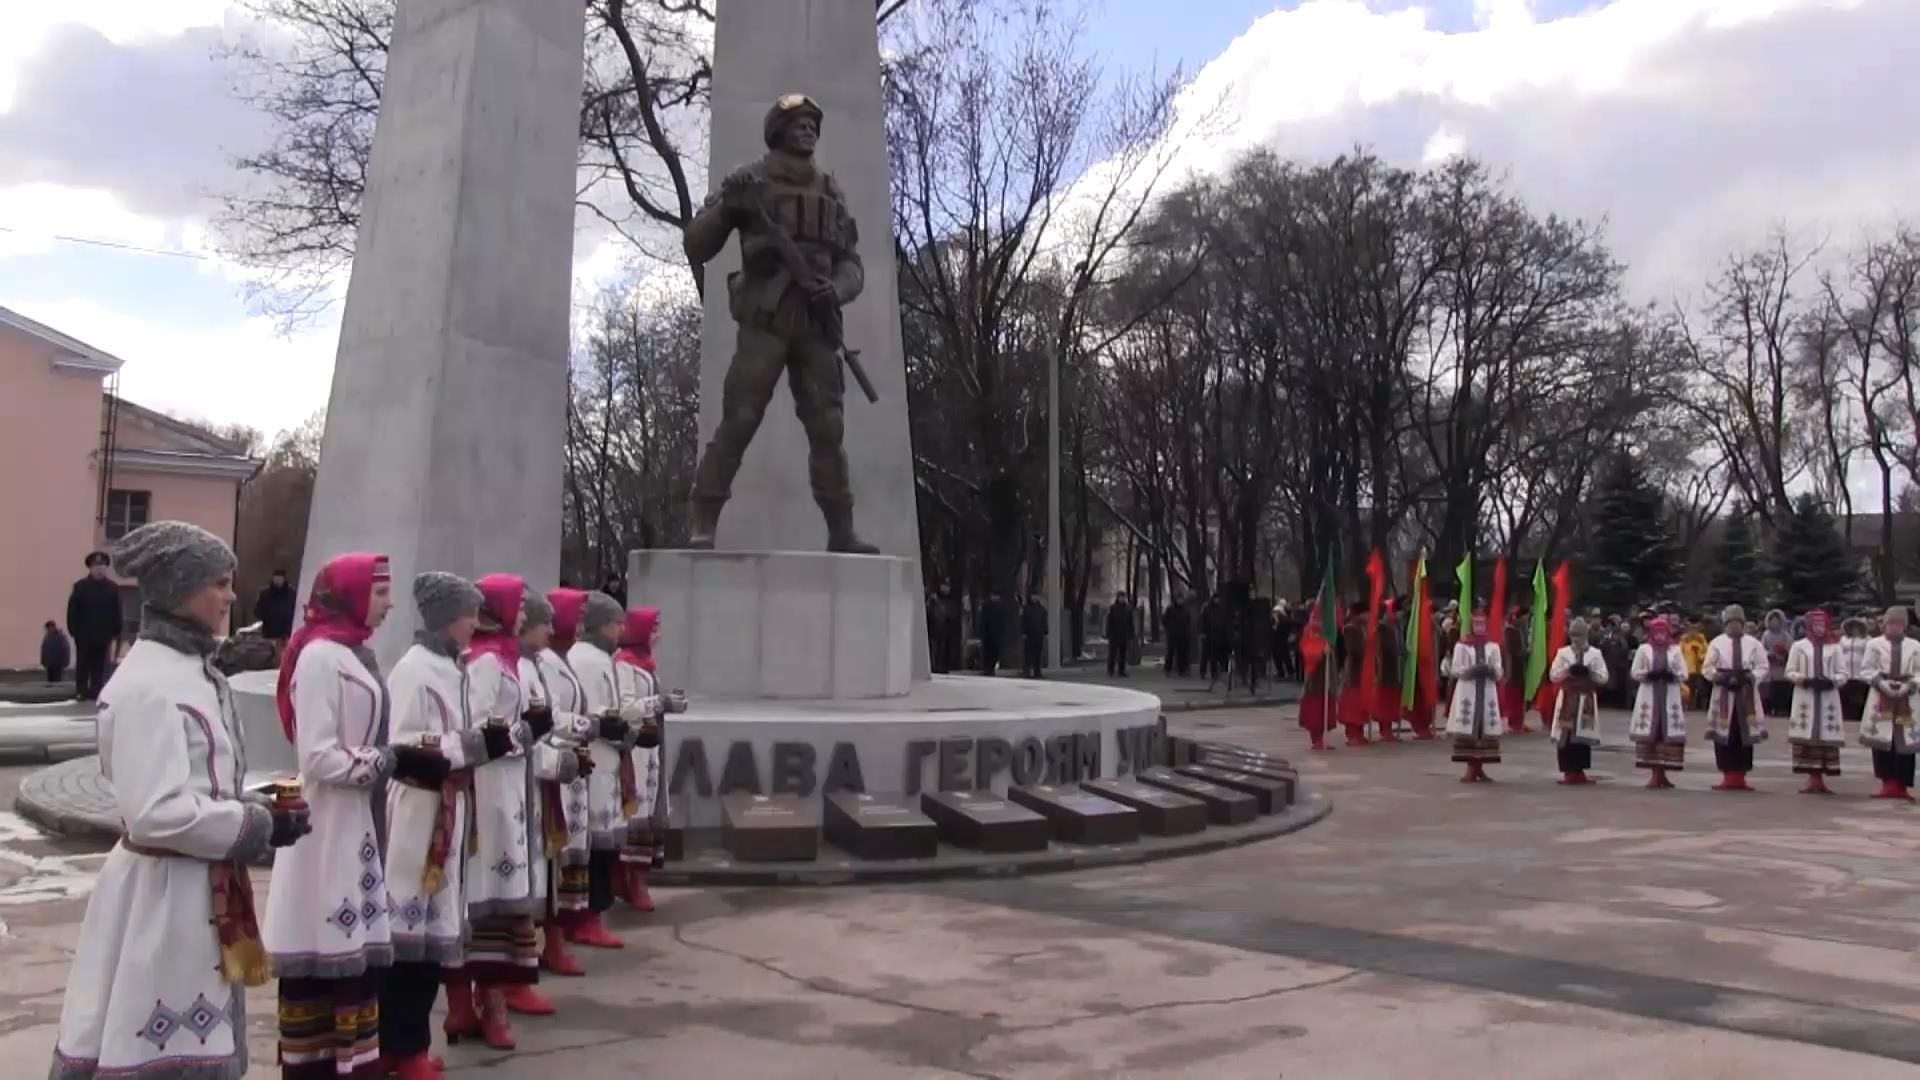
[1819, 683]
[1577, 671]
[613, 729]
[422, 766]
[586, 762]
[540, 720]
[499, 740]
[288, 827]
[648, 738]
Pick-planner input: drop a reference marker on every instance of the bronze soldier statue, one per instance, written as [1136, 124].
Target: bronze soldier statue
[787, 322]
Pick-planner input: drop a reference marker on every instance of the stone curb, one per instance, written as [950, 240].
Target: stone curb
[47, 798]
[1057, 858]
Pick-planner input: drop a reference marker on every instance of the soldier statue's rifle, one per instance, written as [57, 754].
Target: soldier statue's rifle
[826, 317]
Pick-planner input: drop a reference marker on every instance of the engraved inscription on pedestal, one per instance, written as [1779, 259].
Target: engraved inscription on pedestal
[985, 822]
[1216, 753]
[1275, 795]
[878, 827]
[1079, 817]
[769, 828]
[1161, 812]
[1225, 806]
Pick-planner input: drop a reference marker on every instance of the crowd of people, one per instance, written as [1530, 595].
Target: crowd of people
[459, 822]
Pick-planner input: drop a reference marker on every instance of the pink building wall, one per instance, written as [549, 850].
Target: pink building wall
[49, 432]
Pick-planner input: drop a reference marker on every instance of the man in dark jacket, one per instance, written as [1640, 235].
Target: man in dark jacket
[1216, 637]
[993, 633]
[1119, 635]
[55, 654]
[1033, 638]
[273, 609]
[1177, 621]
[93, 619]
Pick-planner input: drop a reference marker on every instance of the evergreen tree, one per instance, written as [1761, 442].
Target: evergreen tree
[1740, 576]
[1811, 560]
[1632, 555]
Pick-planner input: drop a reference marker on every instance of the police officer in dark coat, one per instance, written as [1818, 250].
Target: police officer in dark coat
[93, 620]
[1178, 623]
[1033, 638]
[1119, 635]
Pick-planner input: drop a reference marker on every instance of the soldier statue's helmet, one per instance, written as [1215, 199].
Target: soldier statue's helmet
[786, 108]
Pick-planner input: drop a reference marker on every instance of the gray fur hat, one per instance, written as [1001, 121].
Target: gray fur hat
[1895, 612]
[1732, 612]
[536, 609]
[601, 611]
[1577, 628]
[441, 598]
[172, 560]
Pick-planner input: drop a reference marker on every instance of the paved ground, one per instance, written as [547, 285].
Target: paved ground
[1426, 929]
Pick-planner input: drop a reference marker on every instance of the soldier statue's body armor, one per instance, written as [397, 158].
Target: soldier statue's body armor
[779, 321]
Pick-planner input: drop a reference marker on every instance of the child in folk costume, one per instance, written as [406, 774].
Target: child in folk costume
[326, 927]
[430, 814]
[502, 953]
[1513, 705]
[1776, 640]
[1356, 697]
[1816, 664]
[613, 789]
[1317, 697]
[552, 766]
[1893, 673]
[1474, 716]
[1388, 648]
[1853, 668]
[1659, 725]
[633, 675]
[1736, 664]
[169, 941]
[569, 702]
[1578, 673]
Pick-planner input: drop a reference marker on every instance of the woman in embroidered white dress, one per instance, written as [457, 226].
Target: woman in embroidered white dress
[1816, 666]
[639, 689]
[502, 951]
[1578, 671]
[428, 816]
[326, 921]
[613, 789]
[1473, 717]
[1659, 724]
[169, 940]
[1892, 670]
[571, 886]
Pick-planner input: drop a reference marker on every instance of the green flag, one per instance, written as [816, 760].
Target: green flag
[1537, 658]
[1464, 572]
[1410, 664]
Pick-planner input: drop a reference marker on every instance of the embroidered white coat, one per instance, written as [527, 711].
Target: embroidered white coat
[606, 820]
[498, 878]
[549, 760]
[429, 692]
[1475, 709]
[145, 994]
[570, 714]
[1645, 699]
[1575, 717]
[639, 694]
[1721, 657]
[1878, 727]
[1821, 725]
[326, 914]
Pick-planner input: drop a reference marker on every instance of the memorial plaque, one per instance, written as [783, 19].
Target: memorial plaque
[1225, 805]
[1273, 768]
[1181, 750]
[878, 827]
[985, 822]
[1275, 794]
[769, 828]
[1161, 812]
[1079, 817]
[677, 815]
[1240, 753]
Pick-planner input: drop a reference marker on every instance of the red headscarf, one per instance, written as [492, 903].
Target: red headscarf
[636, 637]
[1476, 629]
[1660, 632]
[500, 596]
[1820, 627]
[336, 611]
[566, 616]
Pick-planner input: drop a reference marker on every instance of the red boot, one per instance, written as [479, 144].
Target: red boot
[494, 1029]
[1316, 741]
[1356, 735]
[1386, 731]
[1732, 781]
[1574, 778]
[555, 957]
[1658, 781]
[525, 1000]
[1816, 785]
[418, 1067]
[1476, 774]
[1892, 789]
[636, 892]
[592, 932]
[463, 1022]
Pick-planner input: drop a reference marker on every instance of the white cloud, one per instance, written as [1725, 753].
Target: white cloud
[25, 25]
[1444, 145]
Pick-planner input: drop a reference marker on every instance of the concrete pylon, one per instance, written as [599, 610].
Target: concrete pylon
[447, 420]
[830, 51]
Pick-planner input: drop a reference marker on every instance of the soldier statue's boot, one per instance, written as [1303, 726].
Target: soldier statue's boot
[841, 539]
[706, 519]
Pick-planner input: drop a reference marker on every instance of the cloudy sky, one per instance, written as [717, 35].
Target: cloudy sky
[1690, 126]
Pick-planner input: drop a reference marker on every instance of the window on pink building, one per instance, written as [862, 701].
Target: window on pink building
[127, 511]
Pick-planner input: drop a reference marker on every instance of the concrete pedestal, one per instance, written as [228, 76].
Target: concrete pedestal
[780, 624]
